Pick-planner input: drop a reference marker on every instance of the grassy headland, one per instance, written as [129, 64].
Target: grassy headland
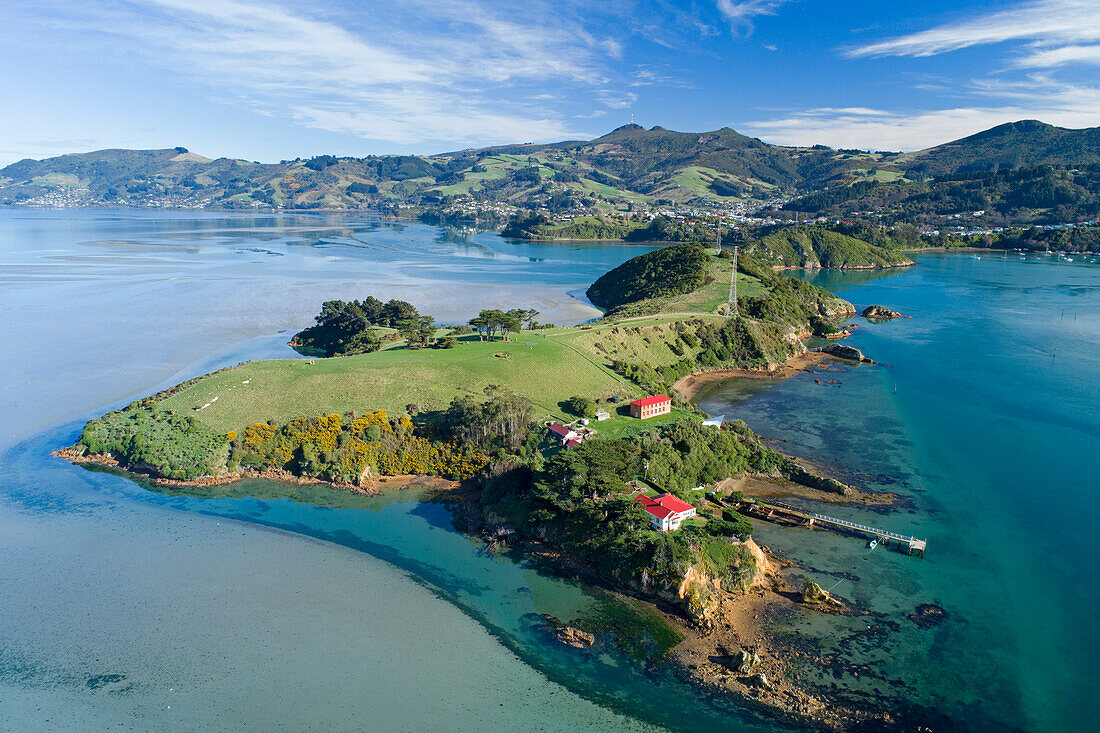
[471, 403]
[668, 321]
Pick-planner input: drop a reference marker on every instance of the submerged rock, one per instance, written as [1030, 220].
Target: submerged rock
[879, 313]
[928, 615]
[575, 637]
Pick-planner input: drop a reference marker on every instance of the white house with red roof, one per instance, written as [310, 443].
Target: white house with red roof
[667, 511]
[567, 435]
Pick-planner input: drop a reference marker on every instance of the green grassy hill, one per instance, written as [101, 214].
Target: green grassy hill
[1023, 196]
[535, 365]
[817, 247]
[629, 164]
[672, 322]
[548, 366]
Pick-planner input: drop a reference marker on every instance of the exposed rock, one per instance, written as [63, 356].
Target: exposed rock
[760, 680]
[928, 615]
[842, 334]
[814, 594]
[699, 599]
[762, 565]
[746, 661]
[800, 475]
[575, 637]
[879, 313]
[847, 352]
[568, 635]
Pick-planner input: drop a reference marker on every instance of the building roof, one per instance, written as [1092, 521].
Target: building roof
[656, 399]
[676, 505]
[561, 430]
[574, 443]
[653, 507]
[663, 505]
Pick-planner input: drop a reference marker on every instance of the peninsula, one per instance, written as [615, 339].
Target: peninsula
[530, 430]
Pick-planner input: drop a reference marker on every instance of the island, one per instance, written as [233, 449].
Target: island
[574, 444]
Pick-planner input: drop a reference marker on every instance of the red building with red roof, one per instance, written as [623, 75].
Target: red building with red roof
[668, 512]
[646, 407]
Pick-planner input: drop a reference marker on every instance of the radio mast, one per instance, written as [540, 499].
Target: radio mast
[731, 302]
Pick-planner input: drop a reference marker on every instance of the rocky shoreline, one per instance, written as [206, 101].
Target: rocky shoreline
[693, 384]
[373, 487]
[727, 646]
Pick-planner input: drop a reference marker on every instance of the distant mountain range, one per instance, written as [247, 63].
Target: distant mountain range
[629, 164]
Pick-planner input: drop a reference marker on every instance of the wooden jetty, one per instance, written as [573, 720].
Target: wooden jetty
[778, 510]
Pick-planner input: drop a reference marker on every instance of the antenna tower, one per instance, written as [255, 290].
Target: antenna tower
[731, 302]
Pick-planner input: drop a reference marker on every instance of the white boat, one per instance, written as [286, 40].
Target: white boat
[872, 544]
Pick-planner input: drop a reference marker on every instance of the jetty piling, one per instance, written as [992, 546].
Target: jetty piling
[770, 510]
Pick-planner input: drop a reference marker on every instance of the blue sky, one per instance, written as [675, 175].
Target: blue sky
[272, 80]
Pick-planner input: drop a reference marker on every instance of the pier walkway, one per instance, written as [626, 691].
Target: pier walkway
[769, 510]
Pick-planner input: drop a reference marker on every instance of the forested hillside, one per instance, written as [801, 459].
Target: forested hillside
[670, 271]
[1034, 195]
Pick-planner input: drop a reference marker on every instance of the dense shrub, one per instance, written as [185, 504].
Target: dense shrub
[670, 271]
[347, 449]
[162, 442]
[344, 328]
[582, 406]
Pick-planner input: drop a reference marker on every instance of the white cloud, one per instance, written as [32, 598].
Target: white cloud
[739, 13]
[413, 72]
[1041, 34]
[1048, 58]
[1066, 105]
[1045, 23]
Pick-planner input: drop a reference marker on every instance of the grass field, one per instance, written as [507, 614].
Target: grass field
[712, 297]
[621, 425]
[544, 370]
[547, 366]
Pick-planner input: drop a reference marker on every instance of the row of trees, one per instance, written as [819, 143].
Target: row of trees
[344, 328]
[503, 420]
[495, 322]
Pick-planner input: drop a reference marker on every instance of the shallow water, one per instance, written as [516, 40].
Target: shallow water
[132, 609]
[985, 415]
[264, 612]
[101, 305]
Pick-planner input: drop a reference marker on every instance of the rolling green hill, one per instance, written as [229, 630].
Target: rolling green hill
[818, 247]
[628, 165]
[1024, 196]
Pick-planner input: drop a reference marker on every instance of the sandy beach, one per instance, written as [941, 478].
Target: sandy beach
[692, 384]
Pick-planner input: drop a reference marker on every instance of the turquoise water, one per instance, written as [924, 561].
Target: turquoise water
[133, 609]
[986, 416]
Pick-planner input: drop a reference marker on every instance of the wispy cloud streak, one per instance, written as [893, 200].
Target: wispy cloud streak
[999, 101]
[412, 72]
[739, 13]
[1045, 23]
